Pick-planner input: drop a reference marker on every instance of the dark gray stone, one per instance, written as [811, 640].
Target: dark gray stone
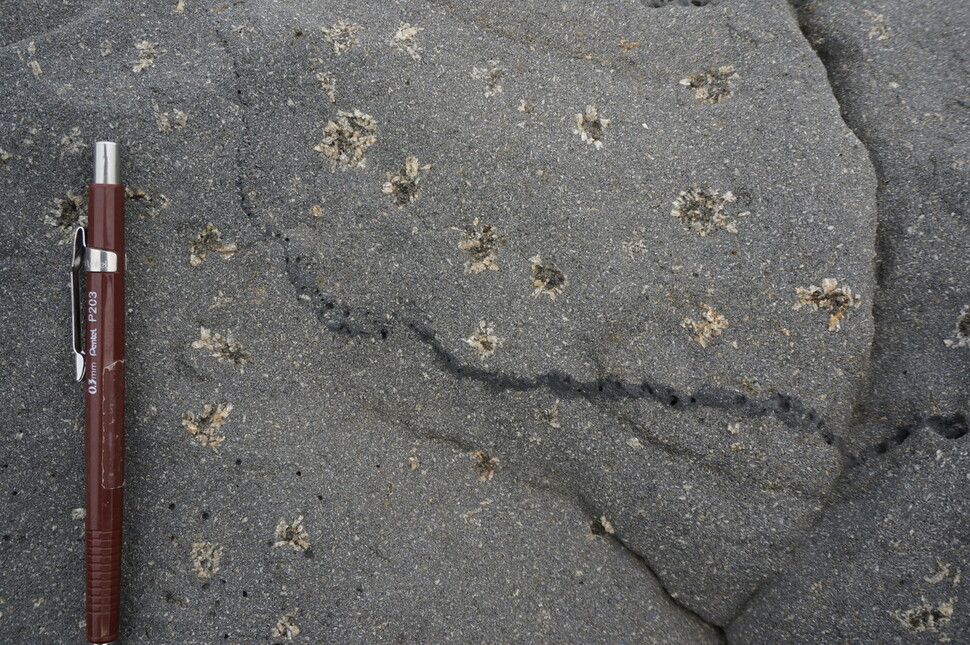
[602, 476]
[886, 564]
[899, 72]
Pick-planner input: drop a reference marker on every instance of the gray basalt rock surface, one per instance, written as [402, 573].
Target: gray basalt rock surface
[885, 565]
[900, 73]
[449, 322]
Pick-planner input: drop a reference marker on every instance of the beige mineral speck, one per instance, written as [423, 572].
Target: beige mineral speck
[471, 516]
[832, 298]
[492, 76]
[550, 416]
[877, 25]
[633, 248]
[209, 239]
[712, 85]
[292, 534]
[72, 142]
[35, 68]
[961, 335]
[145, 52]
[702, 210]
[168, 122]
[481, 242]
[590, 126]
[404, 40]
[484, 465]
[710, 325]
[105, 47]
[206, 427]
[547, 278]
[601, 527]
[347, 138]
[341, 36]
[206, 557]
[286, 627]
[4, 158]
[404, 184]
[326, 83]
[484, 340]
[925, 617]
[179, 7]
[942, 573]
[138, 196]
[226, 350]
[67, 214]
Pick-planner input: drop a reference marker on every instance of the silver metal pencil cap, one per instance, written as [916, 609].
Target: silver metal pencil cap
[106, 163]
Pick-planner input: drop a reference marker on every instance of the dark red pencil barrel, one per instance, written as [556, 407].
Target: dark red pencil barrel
[103, 307]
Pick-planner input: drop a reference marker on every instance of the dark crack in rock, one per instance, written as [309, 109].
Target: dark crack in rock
[650, 489]
[886, 564]
[898, 72]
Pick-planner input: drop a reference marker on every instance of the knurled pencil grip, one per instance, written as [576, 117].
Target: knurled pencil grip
[103, 307]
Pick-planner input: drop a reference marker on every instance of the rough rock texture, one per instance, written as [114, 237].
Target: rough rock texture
[887, 564]
[900, 73]
[884, 564]
[445, 261]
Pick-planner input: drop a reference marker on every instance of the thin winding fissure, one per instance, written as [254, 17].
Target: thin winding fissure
[341, 319]
[951, 427]
[584, 505]
[789, 410]
[365, 324]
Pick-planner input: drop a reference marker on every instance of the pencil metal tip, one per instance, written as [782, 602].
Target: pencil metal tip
[106, 163]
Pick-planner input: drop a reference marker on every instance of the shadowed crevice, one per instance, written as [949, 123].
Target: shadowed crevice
[360, 323]
[578, 499]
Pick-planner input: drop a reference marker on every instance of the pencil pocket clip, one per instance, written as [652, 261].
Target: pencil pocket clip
[92, 261]
[77, 313]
